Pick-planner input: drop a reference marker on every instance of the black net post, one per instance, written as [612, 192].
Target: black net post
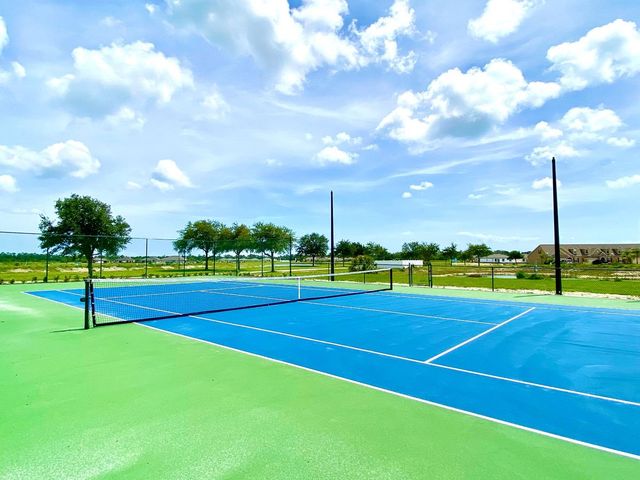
[556, 230]
[391, 279]
[430, 275]
[411, 274]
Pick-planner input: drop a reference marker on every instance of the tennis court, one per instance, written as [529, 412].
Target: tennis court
[562, 371]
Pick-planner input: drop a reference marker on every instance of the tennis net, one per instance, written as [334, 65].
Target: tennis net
[113, 301]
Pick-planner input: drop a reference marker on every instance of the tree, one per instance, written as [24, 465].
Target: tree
[451, 252]
[84, 226]
[205, 235]
[632, 253]
[376, 251]
[344, 249]
[362, 263]
[313, 245]
[238, 240]
[514, 255]
[478, 251]
[357, 249]
[271, 239]
[421, 251]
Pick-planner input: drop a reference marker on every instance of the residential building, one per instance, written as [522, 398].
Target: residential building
[582, 252]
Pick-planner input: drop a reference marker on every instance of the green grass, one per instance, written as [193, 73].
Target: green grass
[130, 402]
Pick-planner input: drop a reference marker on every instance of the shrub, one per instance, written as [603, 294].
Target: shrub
[521, 275]
[535, 276]
[35, 279]
[362, 263]
[12, 281]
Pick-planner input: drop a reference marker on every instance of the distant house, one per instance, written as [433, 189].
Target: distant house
[496, 258]
[398, 263]
[581, 252]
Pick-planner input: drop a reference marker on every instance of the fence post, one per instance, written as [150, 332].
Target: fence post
[493, 285]
[290, 249]
[46, 268]
[430, 275]
[411, 274]
[146, 258]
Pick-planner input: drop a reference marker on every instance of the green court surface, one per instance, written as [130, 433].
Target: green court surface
[131, 402]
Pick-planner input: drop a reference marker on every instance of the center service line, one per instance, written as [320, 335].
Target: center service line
[455, 347]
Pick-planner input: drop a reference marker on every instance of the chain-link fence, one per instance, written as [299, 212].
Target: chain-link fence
[23, 260]
[604, 279]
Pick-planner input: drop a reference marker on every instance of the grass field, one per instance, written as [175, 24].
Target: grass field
[130, 402]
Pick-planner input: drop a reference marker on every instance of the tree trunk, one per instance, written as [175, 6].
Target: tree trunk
[238, 261]
[206, 260]
[90, 264]
[273, 267]
[313, 261]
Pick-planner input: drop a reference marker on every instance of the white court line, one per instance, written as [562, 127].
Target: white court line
[393, 312]
[402, 395]
[500, 303]
[539, 385]
[481, 334]
[407, 359]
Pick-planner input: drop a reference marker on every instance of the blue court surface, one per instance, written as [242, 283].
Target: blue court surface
[563, 371]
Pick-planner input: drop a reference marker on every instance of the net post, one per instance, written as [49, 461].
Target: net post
[92, 299]
[391, 279]
[430, 275]
[86, 304]
[411, 274]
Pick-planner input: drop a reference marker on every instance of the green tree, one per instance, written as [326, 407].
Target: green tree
[632, 253]
[514, 255]
[313, 245]
[238, 239]
[83, 227]
[271, 239]
[357, 249]
[362, 263]
[376, 251]
[205, 235]
[478, 251]
[451, 252]
[344, 248]
[420, 251]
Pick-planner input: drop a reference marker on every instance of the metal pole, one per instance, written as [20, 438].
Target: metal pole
[556, 229]
[214, 259]
[333, 259]
[146, 257]
[290, 250]
[101, 262]
[262, 264]
[493, 284]
[46, 268]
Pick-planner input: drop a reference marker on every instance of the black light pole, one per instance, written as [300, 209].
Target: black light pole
[333, 259]
[556, 229]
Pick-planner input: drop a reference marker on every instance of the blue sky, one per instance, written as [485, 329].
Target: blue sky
[430, 120]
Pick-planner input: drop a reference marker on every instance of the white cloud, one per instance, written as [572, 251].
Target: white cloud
[126, 117]
[8, 184]
[333, 154]
[272, 162]
[18, 70]
[151, 8]
[546, 131]
[215, 105]
[475, 196]
[541, 155]
[111, 22]
[378, 40]
[624, 182]
[421, 186]
[603, 55]
[470, 104]
[292, 42]
[500, 18]
[66, 158]
[167, 175]
[342, 138]
[133, 185]
[544, 183]
[4, 35]
[104, 80]
[407, 195]
[581, 126]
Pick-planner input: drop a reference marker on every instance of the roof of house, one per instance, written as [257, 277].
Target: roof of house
[590, 247]
[497, 256]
